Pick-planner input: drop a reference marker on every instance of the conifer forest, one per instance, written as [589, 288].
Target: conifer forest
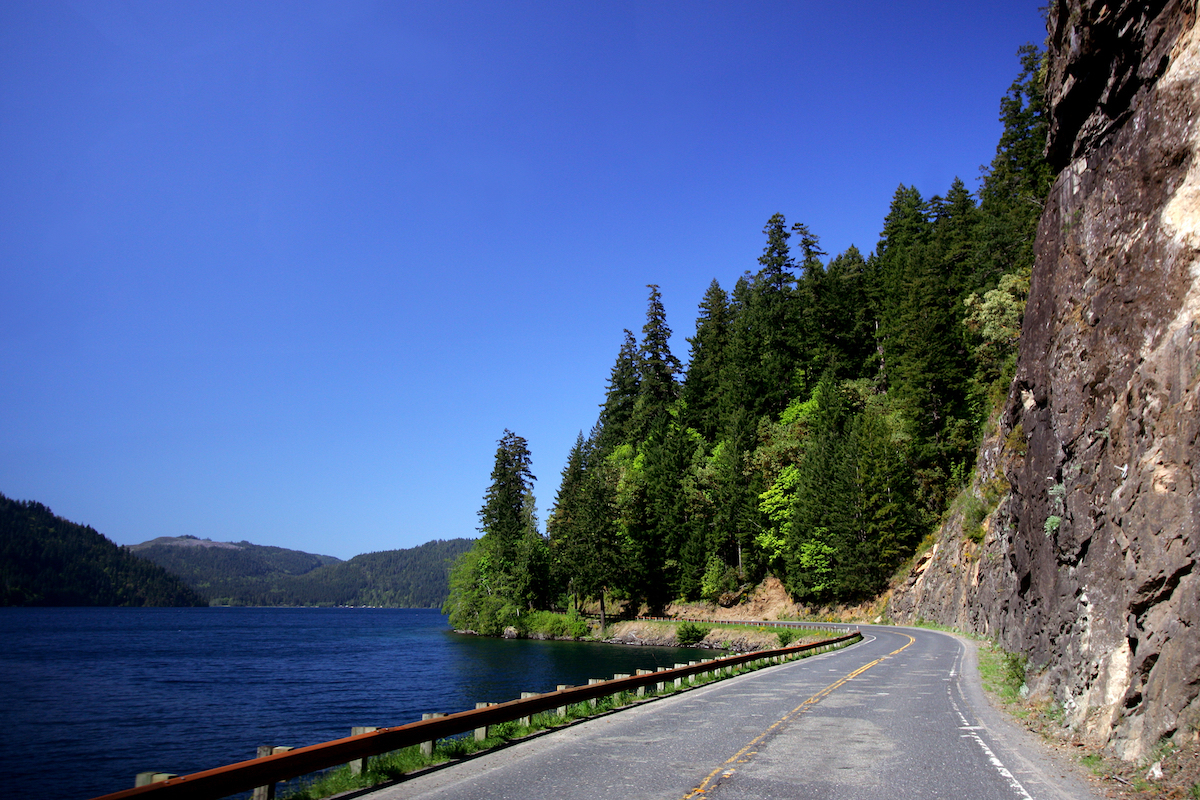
[830, 410]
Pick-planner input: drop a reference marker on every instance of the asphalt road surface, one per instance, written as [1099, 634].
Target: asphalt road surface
[899, 715]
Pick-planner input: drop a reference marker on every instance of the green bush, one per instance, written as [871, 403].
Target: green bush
[786, 637]
[689, 633]
[974, 511]
[549, 623]
[1014, 671]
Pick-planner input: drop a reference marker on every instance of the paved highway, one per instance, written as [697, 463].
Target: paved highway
[899, 715]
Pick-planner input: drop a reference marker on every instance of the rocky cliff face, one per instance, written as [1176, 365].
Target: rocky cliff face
[1088, 563]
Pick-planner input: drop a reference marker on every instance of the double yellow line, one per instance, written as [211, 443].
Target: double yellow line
[743, 755]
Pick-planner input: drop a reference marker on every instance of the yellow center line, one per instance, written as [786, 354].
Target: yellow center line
[743, 756]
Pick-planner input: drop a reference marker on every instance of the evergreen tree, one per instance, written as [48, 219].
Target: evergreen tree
[956, 220]
[620, 401]
[819, 550]
[505, 518]
[658, 389]
[1018, 179]
[507, 571]
[773, 325]
[583, 526]
[735, 491]
[701, 390]
[1012, 195]
[854, 517]
[898, 257]
[736, 393]
[887, 521]
[565, 525]
[816, 347]
[662, 527]
[848, 316]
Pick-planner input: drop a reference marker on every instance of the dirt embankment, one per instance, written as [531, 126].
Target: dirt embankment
[770, 601]
[662, 634]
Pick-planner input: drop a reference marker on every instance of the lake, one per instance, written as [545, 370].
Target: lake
[92, 696]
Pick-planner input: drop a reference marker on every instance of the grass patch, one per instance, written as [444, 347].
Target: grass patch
[1002, 673]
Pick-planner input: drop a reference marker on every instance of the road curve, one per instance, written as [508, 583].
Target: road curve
[899, 715]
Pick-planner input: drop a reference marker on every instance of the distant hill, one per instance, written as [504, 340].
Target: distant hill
[227, 569]
[47, 561]
[241, 573]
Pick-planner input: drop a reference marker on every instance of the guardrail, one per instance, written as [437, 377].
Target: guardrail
[266, 771]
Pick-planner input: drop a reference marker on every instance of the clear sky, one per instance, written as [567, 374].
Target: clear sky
[285, 272]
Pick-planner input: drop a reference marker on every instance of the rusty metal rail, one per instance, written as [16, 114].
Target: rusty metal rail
[247, 775]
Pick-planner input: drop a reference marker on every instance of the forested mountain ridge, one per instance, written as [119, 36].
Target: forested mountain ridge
[228, 573]
[208, 563]
[46, 560]
[829, 411]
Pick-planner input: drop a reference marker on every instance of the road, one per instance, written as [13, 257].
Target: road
[899, 715]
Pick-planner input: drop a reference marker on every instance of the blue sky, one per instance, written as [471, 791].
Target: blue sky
[285, 272]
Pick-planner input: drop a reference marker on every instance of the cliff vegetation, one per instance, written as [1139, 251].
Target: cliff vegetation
[1076, 541]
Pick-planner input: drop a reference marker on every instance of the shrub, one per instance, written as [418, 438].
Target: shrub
[689, 633]
[786, 637]
[995, 489]
[1014, 671]
[974, 513]
[549, 623]
[1015, 441]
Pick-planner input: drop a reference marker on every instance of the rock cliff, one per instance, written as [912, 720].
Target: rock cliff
[1088, 560]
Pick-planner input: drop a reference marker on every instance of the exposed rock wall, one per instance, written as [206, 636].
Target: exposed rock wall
[1088, 564]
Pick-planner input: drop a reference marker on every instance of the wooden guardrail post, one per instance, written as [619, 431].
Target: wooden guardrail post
[562, 710]
[267, 792]
[618, 676]
[641, 690]
[147, 778]
[359, 765]
[427, 747]
[593, 682]
[679, 681]
[527, 721]
[481, 733]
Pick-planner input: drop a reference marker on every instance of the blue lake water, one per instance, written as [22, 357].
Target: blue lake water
[89, 697]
